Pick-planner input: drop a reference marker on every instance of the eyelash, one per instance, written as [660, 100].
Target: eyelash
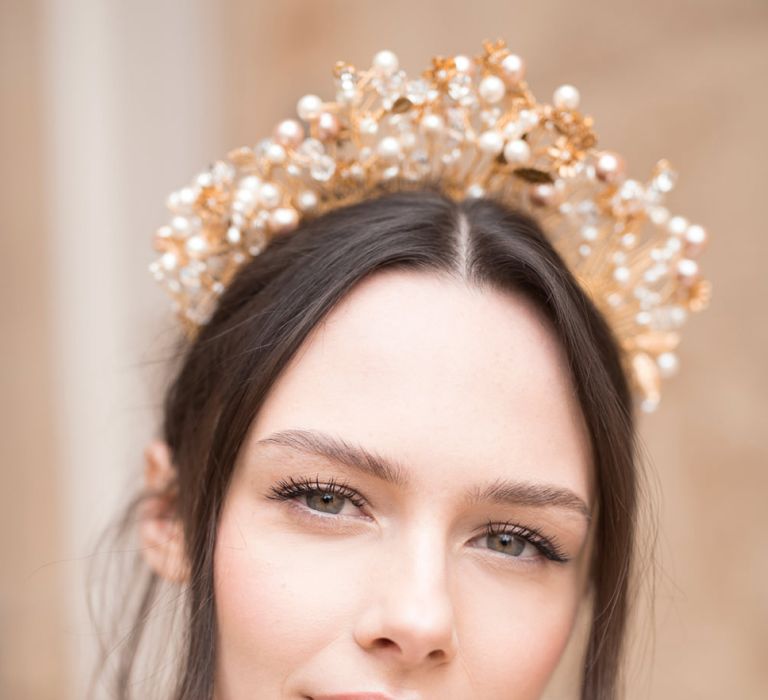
[286, 490]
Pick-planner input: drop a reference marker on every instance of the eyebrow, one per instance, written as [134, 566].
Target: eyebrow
[370, 463]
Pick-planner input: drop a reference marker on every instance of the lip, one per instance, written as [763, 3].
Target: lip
[354, 696]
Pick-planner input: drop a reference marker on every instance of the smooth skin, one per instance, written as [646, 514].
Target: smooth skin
[406, 594]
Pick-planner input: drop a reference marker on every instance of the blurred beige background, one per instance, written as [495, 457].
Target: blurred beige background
[108, 106]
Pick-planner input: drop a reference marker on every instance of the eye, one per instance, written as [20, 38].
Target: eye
[514, 540]
[328, 498]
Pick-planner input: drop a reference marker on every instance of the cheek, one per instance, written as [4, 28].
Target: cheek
[516, 634]
[280, 597]
[260, 601]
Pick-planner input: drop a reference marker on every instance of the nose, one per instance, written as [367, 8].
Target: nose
[409, 618]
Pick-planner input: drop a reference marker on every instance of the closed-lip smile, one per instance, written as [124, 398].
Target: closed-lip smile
[354, 696]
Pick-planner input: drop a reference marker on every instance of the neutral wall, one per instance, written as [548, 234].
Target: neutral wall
[106, 107]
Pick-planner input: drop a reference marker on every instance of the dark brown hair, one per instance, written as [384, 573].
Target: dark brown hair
[269, 309]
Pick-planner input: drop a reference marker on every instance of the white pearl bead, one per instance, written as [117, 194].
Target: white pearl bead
[307, 200]
[246, 196]
[327, 126]
[566, 97]
[289, 132]
[250, 182]
[514, 130]
[275, 154]
[687, 267]
[621, 274]
[673, 244]
[432, 123]
[464, 64]
[610, 166]
[283, 219]
[696, 234]
[188, 195]
[643, 318]
[385, 62]
[589, 233]
[475, 191]
[196, 244]
[233, 235]
[491, 142]
[677, 225]
[173, 201]
[180, 223]
[492, 89]
[668, 364]
[169, 260]
[204, 179]
[651, 275]
[513, 67]
[543, 194]
[517, 151]
[269, 195]
[309, 107]
[388, 148]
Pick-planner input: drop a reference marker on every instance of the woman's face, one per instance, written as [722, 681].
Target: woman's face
[353, 553]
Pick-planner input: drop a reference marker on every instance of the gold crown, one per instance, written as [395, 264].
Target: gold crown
[472, 125]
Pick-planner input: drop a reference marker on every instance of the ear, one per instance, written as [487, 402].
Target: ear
[160, 528]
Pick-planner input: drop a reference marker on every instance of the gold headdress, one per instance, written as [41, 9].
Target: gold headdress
[473, 125]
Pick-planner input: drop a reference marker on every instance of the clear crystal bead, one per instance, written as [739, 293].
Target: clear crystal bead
[460, 86]
[588, 211]
[348, 97]
[628, 240]
[489, 117]
[222, 172]
[189, 277]
[390, 172]
[665, 180]
[390, 87]
[322, 168]
[416, 91]
[262, 146]
[311, 147]
[668, 318]
[368, 125]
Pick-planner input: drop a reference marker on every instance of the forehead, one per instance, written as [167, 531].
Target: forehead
[447, 379]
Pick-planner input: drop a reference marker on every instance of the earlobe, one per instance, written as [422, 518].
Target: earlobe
[160, 529]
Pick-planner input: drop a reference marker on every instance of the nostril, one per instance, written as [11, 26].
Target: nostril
[384, 642]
